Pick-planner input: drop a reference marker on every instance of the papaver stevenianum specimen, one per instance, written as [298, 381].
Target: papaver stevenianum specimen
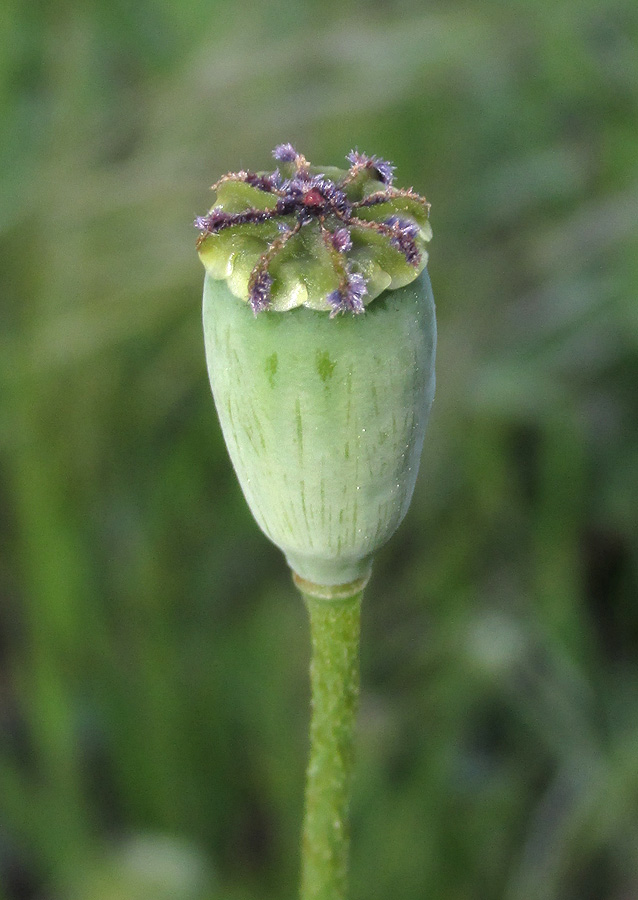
[320, 338]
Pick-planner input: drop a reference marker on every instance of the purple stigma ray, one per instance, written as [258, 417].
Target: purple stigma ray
[384, 169]
[405, 225]
[265, 182]
[403, 237]
[259, 295]
[285, 153]
[349, 297]
[216, 219]
[341, 240]
[357, 288]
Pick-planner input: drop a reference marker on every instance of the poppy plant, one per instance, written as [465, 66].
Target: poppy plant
[320, 338]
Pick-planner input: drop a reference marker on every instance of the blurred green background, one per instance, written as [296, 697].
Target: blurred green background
[153, 652]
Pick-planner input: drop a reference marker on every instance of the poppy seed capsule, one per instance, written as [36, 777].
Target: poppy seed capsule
[324, 420]
[324, 404]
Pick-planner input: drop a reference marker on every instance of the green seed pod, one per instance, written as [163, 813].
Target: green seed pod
[323, 396]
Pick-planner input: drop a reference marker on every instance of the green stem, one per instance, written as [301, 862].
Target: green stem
[334, 677]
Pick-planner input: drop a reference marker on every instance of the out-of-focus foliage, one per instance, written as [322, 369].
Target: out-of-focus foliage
[153, 653]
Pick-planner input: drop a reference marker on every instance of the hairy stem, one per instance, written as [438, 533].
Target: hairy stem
[334, 677]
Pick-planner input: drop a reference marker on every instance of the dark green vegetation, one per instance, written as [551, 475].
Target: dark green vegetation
[153, 652]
